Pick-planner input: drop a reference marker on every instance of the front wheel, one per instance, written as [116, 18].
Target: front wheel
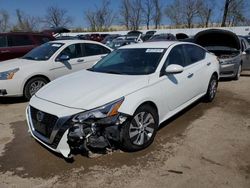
[139, 131]
[33, 85]
[237, 77]
[212, 89]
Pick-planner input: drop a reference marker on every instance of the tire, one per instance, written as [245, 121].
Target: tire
[33, 85]
[237, 76]
[212, 89]
[136, 135]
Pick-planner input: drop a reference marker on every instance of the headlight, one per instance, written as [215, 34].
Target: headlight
[7, 75]
[105, 111]
[226, 62]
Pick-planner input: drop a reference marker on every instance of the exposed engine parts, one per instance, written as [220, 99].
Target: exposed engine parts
[89, 137]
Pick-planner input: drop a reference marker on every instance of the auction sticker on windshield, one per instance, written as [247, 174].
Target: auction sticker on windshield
[152, 50]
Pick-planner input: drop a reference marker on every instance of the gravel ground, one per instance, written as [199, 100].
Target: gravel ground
[206, 145]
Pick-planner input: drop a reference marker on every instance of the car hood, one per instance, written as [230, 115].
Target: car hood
[15, 63]
[217, 37]
[87, 90]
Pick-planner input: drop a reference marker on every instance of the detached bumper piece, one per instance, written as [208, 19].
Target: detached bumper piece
[3, 92]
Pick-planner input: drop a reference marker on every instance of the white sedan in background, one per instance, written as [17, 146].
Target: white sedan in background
[123, 98]
[25, 76]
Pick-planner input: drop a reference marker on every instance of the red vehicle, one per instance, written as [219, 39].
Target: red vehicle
[17, 44]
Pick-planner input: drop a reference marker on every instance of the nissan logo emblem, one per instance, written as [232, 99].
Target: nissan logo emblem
[39, 116]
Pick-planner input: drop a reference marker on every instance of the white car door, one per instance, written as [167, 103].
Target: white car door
[196, 67]
[177, 88]
[78, 60]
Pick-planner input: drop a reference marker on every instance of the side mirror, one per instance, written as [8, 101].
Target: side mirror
[64, 58]
[174, 69]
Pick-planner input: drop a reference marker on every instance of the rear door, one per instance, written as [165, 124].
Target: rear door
[93, 53]
[196, 67]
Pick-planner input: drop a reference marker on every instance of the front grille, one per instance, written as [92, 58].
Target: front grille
[42, 122]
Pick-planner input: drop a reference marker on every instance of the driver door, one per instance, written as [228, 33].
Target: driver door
[76, 61]
[176, 87]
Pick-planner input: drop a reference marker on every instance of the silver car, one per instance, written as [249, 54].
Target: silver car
[226, 46]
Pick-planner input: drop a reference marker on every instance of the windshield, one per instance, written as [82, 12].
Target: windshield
[140, 61]
[43, 52]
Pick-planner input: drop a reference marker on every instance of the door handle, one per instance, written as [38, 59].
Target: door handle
[209, 63]
[80, 60]
[190, 75]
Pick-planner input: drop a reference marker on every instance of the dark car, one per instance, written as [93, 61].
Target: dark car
[17, 44]
[162, 37]
[148, 35]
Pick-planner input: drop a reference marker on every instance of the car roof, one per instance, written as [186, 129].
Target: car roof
[158, 44]
[74, 41]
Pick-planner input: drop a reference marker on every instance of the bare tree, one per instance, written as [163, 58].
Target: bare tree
[174, 13]
[147, 11]
[56, 17]
[136, 14]
[26, 22]
[101, 18]
[226, 6]
[125, 11]
[236, 13]
[4, 21]
[205, 12]
[157, 15]
[184, 12]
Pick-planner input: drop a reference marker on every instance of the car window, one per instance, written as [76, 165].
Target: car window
[43, 52]
[94, 49]
[73, 51]
[19, 40]
[194, 53]
[3, 41]
[134, 61]
[176, 56]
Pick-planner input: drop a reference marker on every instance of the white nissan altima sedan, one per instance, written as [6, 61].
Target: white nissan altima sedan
[26, 75]
[123, 98]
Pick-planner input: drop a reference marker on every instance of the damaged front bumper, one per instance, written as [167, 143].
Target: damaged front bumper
[67, 137]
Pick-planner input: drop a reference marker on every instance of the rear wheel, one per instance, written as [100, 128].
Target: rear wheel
[33, 85]
[139, 131]
[212, 88]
